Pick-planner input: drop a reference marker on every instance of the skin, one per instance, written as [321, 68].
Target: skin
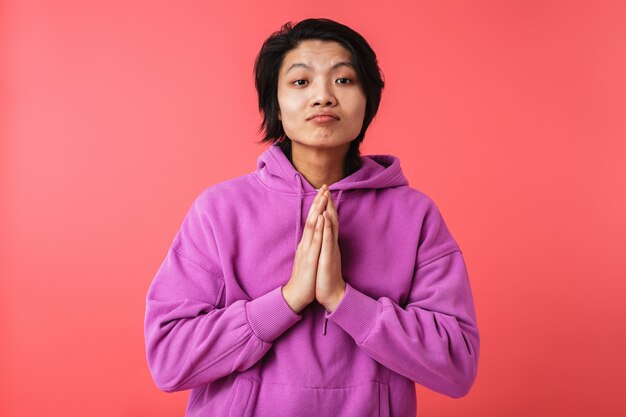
[318, 153]
[318, 149]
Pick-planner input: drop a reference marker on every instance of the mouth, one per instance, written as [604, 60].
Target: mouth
[323, 118]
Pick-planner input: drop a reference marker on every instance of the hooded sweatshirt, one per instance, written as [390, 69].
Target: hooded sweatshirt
[216, 321]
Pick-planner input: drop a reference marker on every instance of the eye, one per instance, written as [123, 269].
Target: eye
[347, 79]
[297, 81]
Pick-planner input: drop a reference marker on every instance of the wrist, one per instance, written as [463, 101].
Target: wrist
[336, 300]
[296, 305]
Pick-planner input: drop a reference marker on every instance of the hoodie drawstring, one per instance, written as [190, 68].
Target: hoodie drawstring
[299, 224]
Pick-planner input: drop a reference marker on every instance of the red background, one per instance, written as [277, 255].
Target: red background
[509, 114]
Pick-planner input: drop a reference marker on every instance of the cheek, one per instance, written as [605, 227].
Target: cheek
[292, 113]
[363, 100]
[287, 105]
[358, 107]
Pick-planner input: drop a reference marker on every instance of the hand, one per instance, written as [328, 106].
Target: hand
[329, 285]
[300, 290]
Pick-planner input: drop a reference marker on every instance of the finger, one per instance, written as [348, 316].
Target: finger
[320, 205]
[316, 244]
[326, 240]
[315, 204]
[312, 217]
[328, 230]
[333, 215]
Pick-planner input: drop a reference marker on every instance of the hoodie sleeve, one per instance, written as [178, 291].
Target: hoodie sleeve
[434, 339]
[191, 339]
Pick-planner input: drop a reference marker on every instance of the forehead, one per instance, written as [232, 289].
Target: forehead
[317, 54]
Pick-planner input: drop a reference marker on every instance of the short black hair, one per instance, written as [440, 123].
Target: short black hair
[270, 58]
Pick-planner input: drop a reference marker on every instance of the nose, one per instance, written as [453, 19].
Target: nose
[324, 95]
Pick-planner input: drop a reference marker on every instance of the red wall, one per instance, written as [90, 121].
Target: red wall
[114, 116]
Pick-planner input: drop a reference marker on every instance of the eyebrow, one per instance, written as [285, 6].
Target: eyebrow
[305, 66]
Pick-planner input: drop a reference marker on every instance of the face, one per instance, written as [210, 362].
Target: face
[317, 77]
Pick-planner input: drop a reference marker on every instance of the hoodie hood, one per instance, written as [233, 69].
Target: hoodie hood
[278, 173]
[377, 171]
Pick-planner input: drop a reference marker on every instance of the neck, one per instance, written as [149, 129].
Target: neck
[319, 165]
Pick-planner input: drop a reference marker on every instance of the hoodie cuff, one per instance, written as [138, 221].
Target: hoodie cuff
[270, 316]
[357, 313]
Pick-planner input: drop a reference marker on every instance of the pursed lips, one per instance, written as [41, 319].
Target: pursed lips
[323, 116]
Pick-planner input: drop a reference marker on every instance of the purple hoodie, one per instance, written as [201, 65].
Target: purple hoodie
[216, 321]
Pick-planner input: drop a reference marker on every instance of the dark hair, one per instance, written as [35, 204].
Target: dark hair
[270, 58]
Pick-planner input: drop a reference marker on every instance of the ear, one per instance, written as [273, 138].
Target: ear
[279, 115]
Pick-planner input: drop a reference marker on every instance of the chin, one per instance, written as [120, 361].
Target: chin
[326, 143]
